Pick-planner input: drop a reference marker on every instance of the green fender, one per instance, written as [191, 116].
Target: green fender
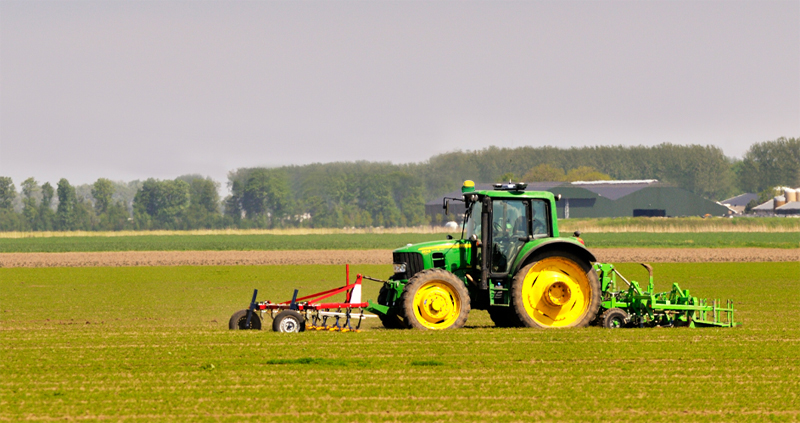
[561, 244]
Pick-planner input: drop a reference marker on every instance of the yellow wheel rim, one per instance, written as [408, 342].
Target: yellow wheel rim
[556, 292]
[436, 305]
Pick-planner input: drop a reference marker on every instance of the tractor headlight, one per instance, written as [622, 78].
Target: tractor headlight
[399, 268]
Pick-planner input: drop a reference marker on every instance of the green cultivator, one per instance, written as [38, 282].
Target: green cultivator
[635, 307]
[512, 261]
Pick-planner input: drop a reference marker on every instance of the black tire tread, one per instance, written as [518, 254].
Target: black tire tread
[239, 319]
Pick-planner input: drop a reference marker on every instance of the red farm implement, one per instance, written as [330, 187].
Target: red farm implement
[308, 312]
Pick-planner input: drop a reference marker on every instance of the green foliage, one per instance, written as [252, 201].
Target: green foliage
[161, 204]
[46, 221]
[152, 344]
[30, 210]
[544, 173]
[770, 164]
[586, 173]
[8, 192]
[102, 190]
[263, 195]
[71, 214]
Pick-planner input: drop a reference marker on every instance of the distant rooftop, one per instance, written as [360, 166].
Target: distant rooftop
[614, 190]
[630, 181]
[740, 200]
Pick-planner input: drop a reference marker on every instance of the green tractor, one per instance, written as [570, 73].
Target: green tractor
[511, 260]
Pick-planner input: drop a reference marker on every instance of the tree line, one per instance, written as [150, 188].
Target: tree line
[365, 194]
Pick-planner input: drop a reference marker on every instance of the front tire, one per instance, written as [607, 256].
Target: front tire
[435, 299]
[557, 291]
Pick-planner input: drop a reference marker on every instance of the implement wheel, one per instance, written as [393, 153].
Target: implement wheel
[615, 318]
[391, 320]
[289, 321]
[239, 321]
[435, 299]
[557, 291]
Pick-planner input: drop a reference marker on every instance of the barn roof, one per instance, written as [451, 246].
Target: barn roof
[740, 200]
[614, 190]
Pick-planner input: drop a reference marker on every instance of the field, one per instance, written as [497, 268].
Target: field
[274, 242]
[151, 344]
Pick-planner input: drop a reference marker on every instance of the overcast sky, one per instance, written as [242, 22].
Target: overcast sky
[131, 90]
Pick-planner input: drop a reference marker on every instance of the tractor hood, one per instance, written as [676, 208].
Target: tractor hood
[426, 248]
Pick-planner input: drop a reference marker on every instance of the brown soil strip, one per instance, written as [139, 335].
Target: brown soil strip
[230, 258]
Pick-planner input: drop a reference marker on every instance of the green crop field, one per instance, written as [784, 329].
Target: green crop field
[151, 344]
[373, 241]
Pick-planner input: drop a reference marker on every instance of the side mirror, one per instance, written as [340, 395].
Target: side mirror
[446, 207]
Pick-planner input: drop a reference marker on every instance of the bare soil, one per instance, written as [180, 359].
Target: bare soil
[230, 258]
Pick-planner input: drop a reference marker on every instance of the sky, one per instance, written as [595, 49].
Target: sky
[130, 90]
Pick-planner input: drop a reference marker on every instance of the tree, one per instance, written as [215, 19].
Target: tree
[266, 197]
[65, 213]
[8, 192]
[203, 211]
[544, 173]
[161, 204]
[586, 173]
[30, 210]
[46, 220]
[770, 164]
[102, 190]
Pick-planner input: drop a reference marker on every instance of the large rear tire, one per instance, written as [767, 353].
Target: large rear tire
[435, 299]
[239, 321]
[558, 290]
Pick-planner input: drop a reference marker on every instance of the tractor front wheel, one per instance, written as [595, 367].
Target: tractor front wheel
[239, 321]
[557, 291]
[435, 299]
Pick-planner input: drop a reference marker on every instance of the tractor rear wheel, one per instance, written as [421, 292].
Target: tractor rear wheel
[289, 321]
[558, 290]
[392, 320]
[239, 321]
[435, 299]
[504, 317]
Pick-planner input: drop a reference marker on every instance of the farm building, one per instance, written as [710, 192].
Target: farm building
[740, 202]
[605, 199]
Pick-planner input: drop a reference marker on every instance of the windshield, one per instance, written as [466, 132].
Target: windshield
[472, 226]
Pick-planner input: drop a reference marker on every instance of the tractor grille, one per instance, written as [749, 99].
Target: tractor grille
[413, 263]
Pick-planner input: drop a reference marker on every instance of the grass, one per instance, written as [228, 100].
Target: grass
[151, 344]
[681, 224]
[693, 240]
[374, 241]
